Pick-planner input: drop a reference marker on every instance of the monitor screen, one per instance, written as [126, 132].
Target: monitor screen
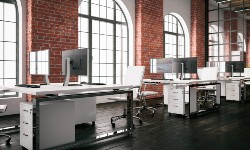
[78, 61]
[238, 66]
[190, 65]
[163, 65]
[39, 62]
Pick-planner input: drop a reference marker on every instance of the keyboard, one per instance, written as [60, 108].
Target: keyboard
[28, 85]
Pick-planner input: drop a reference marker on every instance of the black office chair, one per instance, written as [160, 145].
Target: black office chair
[3, 109]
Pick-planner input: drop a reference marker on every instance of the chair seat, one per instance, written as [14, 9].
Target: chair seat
[148, 93]
[3, 108]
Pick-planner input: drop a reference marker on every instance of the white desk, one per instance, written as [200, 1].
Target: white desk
[177, 94]
[77, 92]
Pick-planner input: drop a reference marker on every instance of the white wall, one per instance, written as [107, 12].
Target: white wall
[182, 8]
[13, 103]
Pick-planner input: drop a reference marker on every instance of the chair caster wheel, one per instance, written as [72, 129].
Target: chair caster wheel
[133, 126]
[140, 121]
[113, 125]
[93, 123]
[130, 133]
[169, 114]
[153, 114]
[137, 115]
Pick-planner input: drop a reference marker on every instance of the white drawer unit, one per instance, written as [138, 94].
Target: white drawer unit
[233, 91]
[26, 125]
[176, 101]
[57, 124]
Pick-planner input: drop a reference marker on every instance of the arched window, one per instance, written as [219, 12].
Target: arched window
[103, 28]
[9, 72]
[174, 37]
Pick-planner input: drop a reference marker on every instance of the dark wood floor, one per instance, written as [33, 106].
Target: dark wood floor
[228, 128]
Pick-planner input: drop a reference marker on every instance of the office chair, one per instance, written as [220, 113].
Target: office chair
[3, 108]
[143, 94]
[134, 76]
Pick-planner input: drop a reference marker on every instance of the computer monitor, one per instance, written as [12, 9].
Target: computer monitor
[74, 62]
[162, 65]
[40, 63]
[185, 65]
[234, 66]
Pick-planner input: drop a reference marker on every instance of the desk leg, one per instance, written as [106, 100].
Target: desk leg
[130, 110]
[37, 134]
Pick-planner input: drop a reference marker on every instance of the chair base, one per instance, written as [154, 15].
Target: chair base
[140, 109]
[115, 118]
[8, 140]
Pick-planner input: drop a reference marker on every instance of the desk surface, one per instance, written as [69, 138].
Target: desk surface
[57, 89]
[178, 81]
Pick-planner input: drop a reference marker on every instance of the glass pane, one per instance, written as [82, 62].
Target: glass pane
[95, 1]
[10, 31]
[118, 30]
[9, 81]
[1, 30]
[110, 29]
[103, 80]
[124, 44]
[110, 3]
[1, 51]
[1, 11]
[32, 68]
[110, 43]
[110, 13]
[118, 43]
[95, 69]
[1, 69]
[118, 15]
[95, 54]
[1, 81]
[118, 57]
[95, 40]
[124, 31]
[109, 80]
[118, 69]
[103, 42]
[109, 69]
[123, 18]
[125, 57]
[95, 79]
[110, 56]
[84, 40]
[10, 69]
[84, 25]
[84, 8]
[103, 2]
[9, 12]
[103, 28]
[95, 10]
[103, 58]
[103, 12]
[95, 26]
[9, 51]
[103, 69]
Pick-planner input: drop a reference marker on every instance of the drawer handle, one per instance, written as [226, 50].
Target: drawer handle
[25, 122]
[175, 106]
[25, 134]
[25, 110]
[176, 99]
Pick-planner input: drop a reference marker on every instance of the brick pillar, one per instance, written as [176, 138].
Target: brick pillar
[149, 35]
[51, 25]
[198, 31]
[230, 36]
[248, 44]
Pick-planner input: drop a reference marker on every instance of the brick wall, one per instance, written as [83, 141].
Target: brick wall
[248, 44]
[198, 31]
[51, 24]
[149, 36]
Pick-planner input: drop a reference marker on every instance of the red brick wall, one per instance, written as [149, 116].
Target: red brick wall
[149, 36]
[198, 31]
[51, 24]
[248, 44]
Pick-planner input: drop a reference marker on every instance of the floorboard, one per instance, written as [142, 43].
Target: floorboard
[227, 128]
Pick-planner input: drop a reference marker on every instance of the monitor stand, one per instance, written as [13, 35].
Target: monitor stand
[67, 74]
[182, 71]
[232, 71]
[46, 79]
